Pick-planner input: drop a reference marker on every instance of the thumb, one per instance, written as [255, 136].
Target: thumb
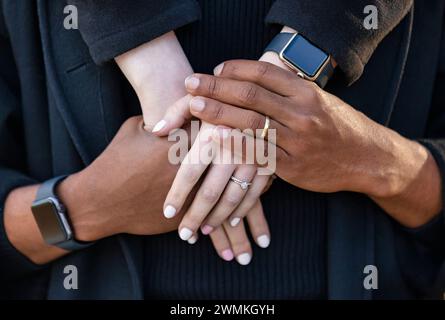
[175, 117]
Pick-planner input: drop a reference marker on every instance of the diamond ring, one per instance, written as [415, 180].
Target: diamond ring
[243, 184]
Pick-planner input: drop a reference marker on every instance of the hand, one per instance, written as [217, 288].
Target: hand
[122, 191]
[322, 143]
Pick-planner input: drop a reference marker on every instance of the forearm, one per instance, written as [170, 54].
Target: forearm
[156, 70]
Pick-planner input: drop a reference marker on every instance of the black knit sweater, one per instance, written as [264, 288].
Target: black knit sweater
[294, 264]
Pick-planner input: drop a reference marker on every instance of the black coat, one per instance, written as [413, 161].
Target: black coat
[58, 111]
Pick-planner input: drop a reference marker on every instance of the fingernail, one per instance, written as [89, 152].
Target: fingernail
[206, 229]
[193, 239]
[243, 259]
[218, 69]
[197, 104]
[185, 234]
[158, 126]
[234, 222]
[263, 241]
[227, 255]
[169, 212]
[191, 82]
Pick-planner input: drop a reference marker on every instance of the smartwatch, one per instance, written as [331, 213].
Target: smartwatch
[52, 220]
[301, 55]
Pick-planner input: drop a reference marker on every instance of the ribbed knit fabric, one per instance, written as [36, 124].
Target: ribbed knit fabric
[294, 264]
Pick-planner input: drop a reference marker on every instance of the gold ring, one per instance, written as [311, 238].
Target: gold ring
[266, 128]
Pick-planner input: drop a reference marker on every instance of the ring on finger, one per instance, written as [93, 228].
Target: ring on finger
[266, 127]
[244, 185]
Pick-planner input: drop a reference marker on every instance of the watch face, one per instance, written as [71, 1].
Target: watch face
[50, 225]
[304, 55]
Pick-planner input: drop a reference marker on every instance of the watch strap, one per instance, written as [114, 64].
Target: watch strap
[48, 190]
[279, 42]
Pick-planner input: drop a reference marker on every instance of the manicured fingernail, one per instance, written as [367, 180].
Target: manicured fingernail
[227, 255]
[234, 222]
[185, 234]
[206, 229]
[218, 69]
[158, 126]
[191, 82]
[169, 212]
[263, 241]
[197, 104]
[193, 239]
[243, 259]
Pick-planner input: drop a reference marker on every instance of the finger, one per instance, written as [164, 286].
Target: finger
[207, 196]
[258, 225]
[239, 242]
[265, 74]
[250, 122]
[260, 152]
[221, 243]
[189, 173]
[249, 200]
[175, 117]
[231, 197]
[193, 239]
[240, 93]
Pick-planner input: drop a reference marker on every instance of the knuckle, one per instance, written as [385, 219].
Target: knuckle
[214, 86]
[192, 174]
[230, 68]
[254, 121]
[262, 69]
[248, 94]
[308, 123]
[209, 195]
[217, 111]
[232, 200]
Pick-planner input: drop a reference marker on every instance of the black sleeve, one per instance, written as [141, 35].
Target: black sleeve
[12, 160]
[112, 27]
[337, 27]
[422, 250]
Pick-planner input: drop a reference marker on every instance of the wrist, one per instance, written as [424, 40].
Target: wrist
[74, 194]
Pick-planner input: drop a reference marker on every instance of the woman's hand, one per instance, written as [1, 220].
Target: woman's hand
[322, 143]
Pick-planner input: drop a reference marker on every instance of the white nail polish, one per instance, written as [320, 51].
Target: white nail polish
[161, 124]
[234, 222]
[185, 234]
[169, 212]
[193, 239]
[263, 241]
[244, 259]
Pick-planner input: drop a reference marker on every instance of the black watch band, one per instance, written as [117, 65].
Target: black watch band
[47, 190]
[280, 41]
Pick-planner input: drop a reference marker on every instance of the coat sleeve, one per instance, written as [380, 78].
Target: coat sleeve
[422, 250]
[338, 27]
[113, 27]
[12, 157]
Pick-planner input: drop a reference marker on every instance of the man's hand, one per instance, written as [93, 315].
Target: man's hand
[123, 190]
[323, 144]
